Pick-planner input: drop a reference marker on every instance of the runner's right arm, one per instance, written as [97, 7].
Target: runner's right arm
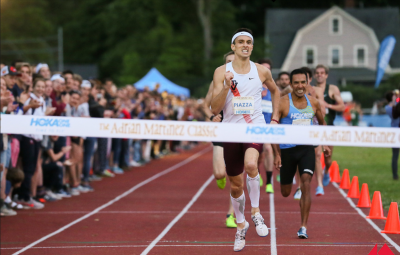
[221, 89]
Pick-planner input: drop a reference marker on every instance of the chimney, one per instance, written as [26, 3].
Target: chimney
[349, 3]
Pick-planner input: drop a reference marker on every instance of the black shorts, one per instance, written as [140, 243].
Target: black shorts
[218, 144]
[302, 156]
[234, 156]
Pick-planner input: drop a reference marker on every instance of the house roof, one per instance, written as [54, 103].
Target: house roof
[282, 25]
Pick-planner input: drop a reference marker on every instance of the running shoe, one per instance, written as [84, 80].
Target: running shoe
[82, 189]
[221, 183]
[26, 204]
[326, 180]
[297, 195]
[12, 205]
[261, 228]
[88, 187]
[302, 233]
[95, 178]
[230, 221]
[53, 195]
[75, 191]
[261, 181]
[5, 211]
[278, 178]
[35, 204]
[269, 188]
[134, 163]
[319, 191]
[117, 170]
[107, 173]
[63, 193]
[240, 238]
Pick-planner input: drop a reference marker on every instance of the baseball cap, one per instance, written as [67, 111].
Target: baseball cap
[9, 70]
[57, 77]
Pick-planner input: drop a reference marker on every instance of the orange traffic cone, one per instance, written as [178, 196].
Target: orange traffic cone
[376, 211]
[323, 161]
[335, 172]
[354, 191]
[393, 222]
[365, 200]
[345, 183]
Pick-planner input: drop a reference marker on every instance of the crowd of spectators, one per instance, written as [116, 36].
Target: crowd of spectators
[37, 169]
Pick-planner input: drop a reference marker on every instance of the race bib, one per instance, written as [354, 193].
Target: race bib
[301, 122]
[243, 105]
[266, 106]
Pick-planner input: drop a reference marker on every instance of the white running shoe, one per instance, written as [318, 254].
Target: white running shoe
[52, 195]
[297, 195]
[240, 238]
[261, 228]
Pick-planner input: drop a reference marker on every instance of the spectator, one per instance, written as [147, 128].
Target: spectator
[53, 163]
[44, 70]
[35, 105]
[69, 80]
[394, 113]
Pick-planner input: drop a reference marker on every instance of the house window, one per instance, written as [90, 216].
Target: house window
[335, 26]
[360, 55]
[309, 55]
[335, 55]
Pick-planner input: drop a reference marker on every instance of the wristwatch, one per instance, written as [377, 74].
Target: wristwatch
[212, 117]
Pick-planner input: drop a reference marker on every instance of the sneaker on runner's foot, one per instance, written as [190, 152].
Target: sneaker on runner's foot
[230, 221]
[221, 183]
[261, 228]
[319, 191]
[326, 180]
[269, 188]
[297, 195]
[302, 233]
[5, 211]
[240, 238]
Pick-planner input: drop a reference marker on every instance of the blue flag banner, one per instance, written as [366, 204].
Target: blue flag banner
[385, 52]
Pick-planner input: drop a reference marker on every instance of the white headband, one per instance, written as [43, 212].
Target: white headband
[40, 66]
[86, 84]
[57, 77]
[242, 33]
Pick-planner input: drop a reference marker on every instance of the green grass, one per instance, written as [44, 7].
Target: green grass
[372, 166]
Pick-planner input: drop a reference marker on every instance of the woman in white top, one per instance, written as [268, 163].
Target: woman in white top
[30, 144]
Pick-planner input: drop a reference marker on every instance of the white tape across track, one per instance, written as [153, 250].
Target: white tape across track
[201, 131]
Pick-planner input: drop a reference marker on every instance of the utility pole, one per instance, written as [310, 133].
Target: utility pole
[60, 50]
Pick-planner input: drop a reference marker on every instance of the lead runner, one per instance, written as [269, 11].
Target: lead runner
[235, 84]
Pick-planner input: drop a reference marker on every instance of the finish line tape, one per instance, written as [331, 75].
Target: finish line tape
[201, 131]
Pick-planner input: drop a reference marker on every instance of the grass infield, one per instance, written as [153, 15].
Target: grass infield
[372, 166]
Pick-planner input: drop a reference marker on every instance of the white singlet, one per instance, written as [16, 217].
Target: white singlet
[246, 98]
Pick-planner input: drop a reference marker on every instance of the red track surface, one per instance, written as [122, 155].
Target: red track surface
[129, 225]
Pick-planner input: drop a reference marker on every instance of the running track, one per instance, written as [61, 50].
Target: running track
[173, 206]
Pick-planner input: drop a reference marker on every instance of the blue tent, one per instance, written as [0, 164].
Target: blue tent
[154, 76]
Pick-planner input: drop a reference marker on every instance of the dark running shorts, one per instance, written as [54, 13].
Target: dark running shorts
[234, 156]
[302, 156]
[218, 144]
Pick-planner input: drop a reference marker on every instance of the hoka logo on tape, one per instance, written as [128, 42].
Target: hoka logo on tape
[265, 131]
[42, 122]
[301, 115]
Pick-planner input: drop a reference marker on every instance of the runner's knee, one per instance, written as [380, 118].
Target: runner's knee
[251, 168]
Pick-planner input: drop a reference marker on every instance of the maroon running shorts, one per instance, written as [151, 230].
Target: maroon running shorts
[234, 156]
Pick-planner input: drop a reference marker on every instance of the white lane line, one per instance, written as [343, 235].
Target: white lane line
[198, 245]
[396, 246]
[178, 217]
[172, 168]
[274, 250]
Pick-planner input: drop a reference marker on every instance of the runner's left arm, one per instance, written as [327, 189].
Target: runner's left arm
[339, 106]
[275, 93]
[286, 91]
[321, 121]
